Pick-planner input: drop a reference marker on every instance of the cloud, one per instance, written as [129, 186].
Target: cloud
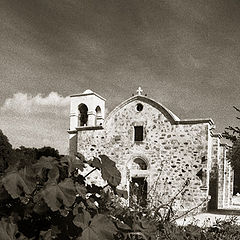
[26, 104]
[36, 121]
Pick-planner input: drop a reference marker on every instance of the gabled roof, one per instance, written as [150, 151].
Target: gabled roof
[165, 111]
[87, 92]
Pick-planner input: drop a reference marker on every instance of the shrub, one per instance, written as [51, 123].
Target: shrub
[51, 200]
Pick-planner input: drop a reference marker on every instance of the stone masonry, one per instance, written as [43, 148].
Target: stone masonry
[171, 155]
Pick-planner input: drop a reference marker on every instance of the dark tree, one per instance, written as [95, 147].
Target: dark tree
[233, 134]
[6, 152]
[47, 152]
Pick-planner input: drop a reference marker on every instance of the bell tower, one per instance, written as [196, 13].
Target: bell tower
[87, 110]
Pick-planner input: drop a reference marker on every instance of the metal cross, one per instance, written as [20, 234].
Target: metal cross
[139, 91]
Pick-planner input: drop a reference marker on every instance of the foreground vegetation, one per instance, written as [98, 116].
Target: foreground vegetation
[46, 196]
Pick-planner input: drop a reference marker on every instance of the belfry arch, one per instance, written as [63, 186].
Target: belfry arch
[99, 116]
[82, 114]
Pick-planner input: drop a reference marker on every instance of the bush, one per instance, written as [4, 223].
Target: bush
[51, 200]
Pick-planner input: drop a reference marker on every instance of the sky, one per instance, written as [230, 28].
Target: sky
[185, 54]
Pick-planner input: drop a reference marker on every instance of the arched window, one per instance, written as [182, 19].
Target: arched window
[139, 164]
[83, 114]
[98, 115]
[98, 112]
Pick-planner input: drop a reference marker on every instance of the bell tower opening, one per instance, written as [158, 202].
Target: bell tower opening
[83, 114]
[99, 117]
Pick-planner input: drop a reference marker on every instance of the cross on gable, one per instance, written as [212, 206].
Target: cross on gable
[139, 91]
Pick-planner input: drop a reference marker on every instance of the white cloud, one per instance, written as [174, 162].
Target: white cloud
[36, 121]
[25, 104]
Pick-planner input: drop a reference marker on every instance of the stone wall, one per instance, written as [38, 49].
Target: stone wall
[174, 152]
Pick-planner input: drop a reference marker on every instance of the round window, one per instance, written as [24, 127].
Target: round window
[139, 107]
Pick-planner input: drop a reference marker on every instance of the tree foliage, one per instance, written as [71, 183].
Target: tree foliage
[233, 134]
[6, 152]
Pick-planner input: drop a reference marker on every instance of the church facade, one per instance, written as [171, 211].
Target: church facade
[160, 156]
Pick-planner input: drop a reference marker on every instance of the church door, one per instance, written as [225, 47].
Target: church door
[138, 191]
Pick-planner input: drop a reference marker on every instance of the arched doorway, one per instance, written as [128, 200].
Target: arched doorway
[138, 187]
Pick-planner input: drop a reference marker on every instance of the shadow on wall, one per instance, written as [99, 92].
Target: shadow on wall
[73, 145]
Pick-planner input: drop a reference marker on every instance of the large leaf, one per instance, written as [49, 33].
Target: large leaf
[78, 208]
[82, 220]
[44, 163]
[97, 228]
[53, 174]
[56, 195]
[40, 206]
[121, 193]
[109, 171]
[18, 182]
[72, 163]
[7, 230]
[3, 193]
[95, 163]
[81, 190]
[50, 233]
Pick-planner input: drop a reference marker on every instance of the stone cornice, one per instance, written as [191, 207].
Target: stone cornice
[85, 128]
[196, 121]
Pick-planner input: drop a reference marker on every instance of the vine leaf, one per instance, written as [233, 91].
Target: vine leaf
[97, 228]
[95, 163]
[82, 219]
[50, 233]
[122, 226]
[3, 193]
[44, 163]
[121, 193]
[109, 171]
[78, 208]
[91, 203]
[81, 190]
[56, 195]
[80, 157]
[18, 182]
[53, 174]
[7, 230]
[73, 163]
[40, 207]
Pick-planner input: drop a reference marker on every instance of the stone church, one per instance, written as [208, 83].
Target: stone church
[160, 156]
